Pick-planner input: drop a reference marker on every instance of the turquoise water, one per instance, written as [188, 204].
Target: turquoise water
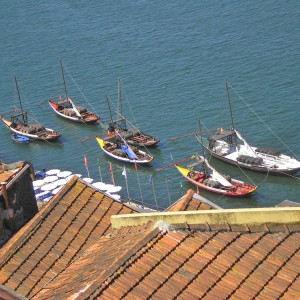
[173, 59]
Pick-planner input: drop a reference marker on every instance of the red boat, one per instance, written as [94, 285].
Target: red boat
[67, 109]
[214, 181]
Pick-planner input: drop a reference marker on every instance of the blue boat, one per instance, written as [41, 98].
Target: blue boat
[18, 138]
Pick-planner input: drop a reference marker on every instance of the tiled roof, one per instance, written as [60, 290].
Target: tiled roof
[70, 251]
[73, 220]
[191, 201]
[185, 264]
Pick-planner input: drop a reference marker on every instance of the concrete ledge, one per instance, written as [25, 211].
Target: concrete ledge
[252, 216]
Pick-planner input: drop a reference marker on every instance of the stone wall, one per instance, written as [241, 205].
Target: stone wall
[22, 205]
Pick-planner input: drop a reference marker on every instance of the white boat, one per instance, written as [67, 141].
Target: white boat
[55, 191]
[43, 195]
[231, 147]
[88, 180]
[124, 153]
[52, 172]
[114, 189]
[49, 179]
[64, 174]
[38, 183]
[100, 186]
[48, 187]
[60, 182]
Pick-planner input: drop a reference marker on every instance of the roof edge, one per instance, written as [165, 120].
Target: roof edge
[249, 216]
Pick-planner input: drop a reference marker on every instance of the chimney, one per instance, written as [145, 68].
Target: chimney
[4, 193]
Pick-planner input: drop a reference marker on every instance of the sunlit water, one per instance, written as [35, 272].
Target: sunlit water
[173, 59]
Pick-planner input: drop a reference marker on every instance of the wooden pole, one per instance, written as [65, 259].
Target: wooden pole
[177, 162]
[190, 134]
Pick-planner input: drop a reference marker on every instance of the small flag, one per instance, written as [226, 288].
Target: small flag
[198, 158]
[86, 162]
[181, 186]
[135, 166]
[111, 173]
[86, 165]
[150, 179]
[198, 192]
[124, 172]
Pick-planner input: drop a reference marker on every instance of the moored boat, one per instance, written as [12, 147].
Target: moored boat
[66, 108]
[231, 147]
[124, 153]
[21, 139]
[121, 126]
[18, 124]
[208, 178]
[224, 146]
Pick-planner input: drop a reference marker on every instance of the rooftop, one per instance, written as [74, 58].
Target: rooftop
[192, 201]
[72, 221]
[182, 261]
[84, 244]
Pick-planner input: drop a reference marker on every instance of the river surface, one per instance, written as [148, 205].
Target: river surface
[173, 58]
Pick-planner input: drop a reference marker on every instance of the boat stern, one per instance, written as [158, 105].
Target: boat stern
[100, 142]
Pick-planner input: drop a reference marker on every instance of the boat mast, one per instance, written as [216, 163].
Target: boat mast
[204, 166]
[23, 118]
[232, 124]
[120, 109]
[63, 75]
[120, 97]
[111, 119]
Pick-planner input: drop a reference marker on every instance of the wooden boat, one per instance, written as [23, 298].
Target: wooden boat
[18, 124]
[133, 136]
[230, 147]
[19, 138]
[208, 178]
[124, 153]
[68, 110]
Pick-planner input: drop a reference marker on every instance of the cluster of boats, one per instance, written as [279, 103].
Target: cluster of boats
[123, 143]
[49, 183]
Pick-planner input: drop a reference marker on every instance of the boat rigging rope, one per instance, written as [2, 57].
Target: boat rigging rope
[290, 175]
[28, 106]
[121, 116]
[32, 115]
[283, 143]
[80, 90]
[123, 90]
[133, 126]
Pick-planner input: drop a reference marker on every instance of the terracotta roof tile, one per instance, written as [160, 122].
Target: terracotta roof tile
[192, 201]
[138, 262]
[177, 265]
[71, 222]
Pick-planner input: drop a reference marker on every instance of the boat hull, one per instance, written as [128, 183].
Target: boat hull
[47, 135]
[87, 118]
[261, 169]
[240, 188]
[20, 139]
[145, 161]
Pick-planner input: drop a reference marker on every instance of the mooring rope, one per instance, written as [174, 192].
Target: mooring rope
[283, 143]
[80, 91]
